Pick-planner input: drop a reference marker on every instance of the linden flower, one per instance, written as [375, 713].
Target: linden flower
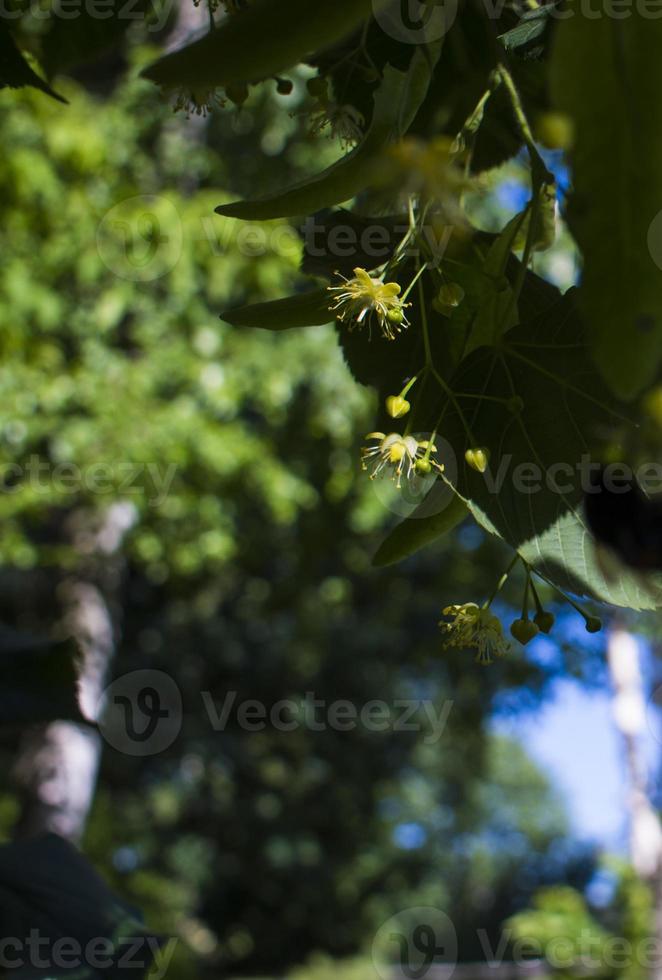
[362, 297]
[344, 123]
[432, 170]
[197, 102]
[471, 626]
[402, 454]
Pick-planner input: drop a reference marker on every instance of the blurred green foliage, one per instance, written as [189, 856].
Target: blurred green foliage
[124, 385]
[612, 940]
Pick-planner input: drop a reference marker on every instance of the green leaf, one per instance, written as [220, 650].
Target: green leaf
[418, 531]
[544, 234]
[370, 241]
[396, 103]
[541, 450]
[306, 310]
[607, 76]
[15, 72]
[259, 41]
[488, 310]
[527, 39]
[566, 553]
[498, 256]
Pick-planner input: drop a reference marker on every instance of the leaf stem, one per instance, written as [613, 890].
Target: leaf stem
[536, 597]
[414, 281]
[538, 166]
[430, 367]
[502, 581]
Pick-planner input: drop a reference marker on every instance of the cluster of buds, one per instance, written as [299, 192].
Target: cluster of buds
[469, 626]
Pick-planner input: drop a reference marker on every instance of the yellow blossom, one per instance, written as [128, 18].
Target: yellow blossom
[363, 296]
[399, 453]
[469, 626]
[397, 406]
[431, 170]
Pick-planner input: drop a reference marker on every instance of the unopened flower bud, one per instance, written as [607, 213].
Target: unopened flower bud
[524, 630]
[451, 295]
[397, 406]
[544, 621]
[477, 459]
[237, 93]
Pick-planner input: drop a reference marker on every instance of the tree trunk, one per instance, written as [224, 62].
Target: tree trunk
[58, 763]
[630, 717]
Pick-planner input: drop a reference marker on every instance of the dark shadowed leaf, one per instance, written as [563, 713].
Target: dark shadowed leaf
[258, 42]
[306, 310]
[47, 886]
[15, 72]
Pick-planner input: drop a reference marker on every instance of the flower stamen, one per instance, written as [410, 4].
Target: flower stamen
[469, 626]
[363, 297]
